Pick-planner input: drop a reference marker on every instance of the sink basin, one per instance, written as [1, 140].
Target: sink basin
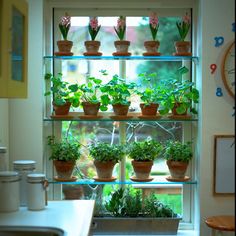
[30, 231]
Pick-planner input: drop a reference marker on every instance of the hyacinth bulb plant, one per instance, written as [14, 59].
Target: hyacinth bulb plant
[93, 27]
[183, 47]
[64, 25]
[121, 27]
[152, 46]
[183, 26]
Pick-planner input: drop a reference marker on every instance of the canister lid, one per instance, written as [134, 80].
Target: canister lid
[9, 176]
[24, 164]
[35, 177]
[3, 149]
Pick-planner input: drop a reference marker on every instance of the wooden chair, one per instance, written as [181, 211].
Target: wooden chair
[221, 223]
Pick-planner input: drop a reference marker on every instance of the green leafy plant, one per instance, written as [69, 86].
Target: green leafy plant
[64, 25]
[183, 26]
[121, 27]
[147, 150]
[177, 151]
[153, 24]
[179, 92]
[62, 91]
[65, 150]
[93, 27]
[151, 93]
[105, 152]
[117, 91]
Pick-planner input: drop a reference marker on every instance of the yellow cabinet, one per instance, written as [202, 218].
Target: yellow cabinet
[13, 48]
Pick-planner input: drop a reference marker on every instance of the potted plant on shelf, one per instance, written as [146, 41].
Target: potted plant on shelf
[105, 157]
[64, 154]
[117, 92]
[152, 46]
[92, 46]
[177, 155]
[183, 47]
[143, 153]
[150, 96]
[65, 45]
[121, 45]
[64, 94]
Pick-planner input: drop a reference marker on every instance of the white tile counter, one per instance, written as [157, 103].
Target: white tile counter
[72, 216]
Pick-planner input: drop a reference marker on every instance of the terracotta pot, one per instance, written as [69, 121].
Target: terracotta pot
[120, 110]
[63, 109]
[90, 108]
[142, 169]
[122, 46]
[104, 169]
[183, 48]
[64, 169]
[64, 47]
[149, 110]
[92, 47]
[151, 48]
[73, 192]
[174, 112]
[177, 169]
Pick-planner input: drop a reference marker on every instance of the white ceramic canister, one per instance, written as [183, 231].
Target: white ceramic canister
[9, 191]
[36, 195]
[24, 167]
[3, 159]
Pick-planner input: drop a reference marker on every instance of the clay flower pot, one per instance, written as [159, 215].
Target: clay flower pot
[64, 169]
[90, 108]
[151, 48]
[182, 48]
[122, 47]
[177, 169]
[149, 110]
[92, 48]
[104, 169]
[62, 109]
[120, 110]
[175, 113]
[64, 47]
[142, 169]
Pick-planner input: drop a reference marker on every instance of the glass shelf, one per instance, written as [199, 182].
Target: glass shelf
[129, 182]
[147, 58]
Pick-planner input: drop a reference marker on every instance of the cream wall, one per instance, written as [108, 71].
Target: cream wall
[21, 120]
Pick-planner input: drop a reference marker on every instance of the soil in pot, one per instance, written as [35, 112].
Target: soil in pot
[64, 169]
[149, 110]
[182, 48]
[177, 169]
[90, 108]
[64, 47]
[104, 170]
[122, 47]
[142, 169]
[151, 48]
[92, 48]
[120, 110]
[62, 109]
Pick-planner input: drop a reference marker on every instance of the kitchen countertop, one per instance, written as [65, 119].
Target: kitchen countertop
[72, 216]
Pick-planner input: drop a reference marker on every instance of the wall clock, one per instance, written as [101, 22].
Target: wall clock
[228, 69]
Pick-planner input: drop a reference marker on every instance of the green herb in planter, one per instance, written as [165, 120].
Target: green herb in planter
[178, 151]
[105, 152]
[147, 150]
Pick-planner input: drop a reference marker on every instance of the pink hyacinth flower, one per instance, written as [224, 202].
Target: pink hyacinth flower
[186, 18]
[94, 23]
[121, 23]
[65, 20]
[153, 20]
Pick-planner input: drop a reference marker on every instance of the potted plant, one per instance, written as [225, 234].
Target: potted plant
[143, 153]
[127, 210]
[152, 46]
[150, 96]
[92, 46]
[105, 157]
[177, 155]
[64, 94]
[121, 45]
[64, 45]
[117, 92]
[183, 47]
[64, 154]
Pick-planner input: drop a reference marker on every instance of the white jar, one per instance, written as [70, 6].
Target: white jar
[9, 191]
[36, 195]
[3, 159]
[24, 167]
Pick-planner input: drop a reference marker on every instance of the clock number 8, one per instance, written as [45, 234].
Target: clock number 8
[219, 92]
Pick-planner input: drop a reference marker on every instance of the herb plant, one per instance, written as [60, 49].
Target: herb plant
[178, 151]
[105, 152]
[147, 150]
